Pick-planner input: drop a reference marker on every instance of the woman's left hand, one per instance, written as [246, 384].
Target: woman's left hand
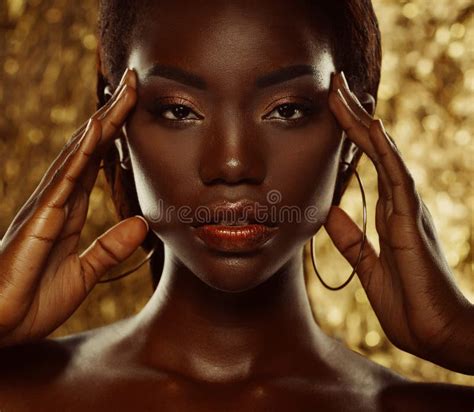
[409, 284]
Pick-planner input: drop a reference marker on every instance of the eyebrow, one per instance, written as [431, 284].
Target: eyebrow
[284, 74]
[270, 79]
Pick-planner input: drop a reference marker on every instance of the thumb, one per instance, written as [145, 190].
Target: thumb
[347, 237]
[112, 248]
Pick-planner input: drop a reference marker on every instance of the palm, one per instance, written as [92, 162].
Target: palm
[63, 286]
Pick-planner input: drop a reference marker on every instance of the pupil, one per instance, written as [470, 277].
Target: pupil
[286, 110]
[180, 111]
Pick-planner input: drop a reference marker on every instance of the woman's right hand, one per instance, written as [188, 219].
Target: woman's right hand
[43, 279]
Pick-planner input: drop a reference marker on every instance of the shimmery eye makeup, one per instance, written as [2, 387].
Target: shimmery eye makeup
[173, 109]
[287, 111]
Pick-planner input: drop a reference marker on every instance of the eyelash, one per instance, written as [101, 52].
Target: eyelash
[305, 109]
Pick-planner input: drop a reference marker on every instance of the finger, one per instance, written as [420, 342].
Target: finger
[70, 144]
[360, 135]
[351, 124]
[384, 186]
[77, 205]
[99, 114]
[128, 77]
[405, 197]
[347, 237]
[112, 248]
[340, 82]
[89, 176]
[110, 122]
[113, 120]
[383, 146]
[66, 178]
[381, 218]
[36, 236]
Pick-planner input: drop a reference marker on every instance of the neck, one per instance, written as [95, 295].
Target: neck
[210, 335]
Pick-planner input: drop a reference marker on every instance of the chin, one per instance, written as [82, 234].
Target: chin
[233, 274]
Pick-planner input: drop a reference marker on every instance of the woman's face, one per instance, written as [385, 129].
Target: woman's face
[230, 135]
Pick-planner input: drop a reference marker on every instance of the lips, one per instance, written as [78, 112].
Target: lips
[235, 227]
[241, 213]
[236, 239]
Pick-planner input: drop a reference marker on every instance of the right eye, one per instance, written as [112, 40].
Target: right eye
[175, 112]
[172, 109]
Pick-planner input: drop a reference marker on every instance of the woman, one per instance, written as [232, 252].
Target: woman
[227, 102]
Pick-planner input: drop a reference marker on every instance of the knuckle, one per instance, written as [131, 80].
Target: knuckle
[383, 154]
[353, 244]
[108, 252]
[57, 174]
[70, 178]
[85, 154]
[113, 123]
[373, 125]
[86, 275]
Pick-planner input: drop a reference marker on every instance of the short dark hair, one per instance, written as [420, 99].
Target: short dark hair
[355, 42]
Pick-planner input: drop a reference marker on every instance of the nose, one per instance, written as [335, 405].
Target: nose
[233, 154]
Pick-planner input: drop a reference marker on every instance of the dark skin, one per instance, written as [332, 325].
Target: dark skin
[226, 331]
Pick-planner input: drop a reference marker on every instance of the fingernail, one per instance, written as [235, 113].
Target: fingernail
[343, 99]
[344, 80]
[146, 223]
[346, 105]
[380, 123]
[124, 75]
[116, 93]
[119, 93]
[89, 125]
[84, 134]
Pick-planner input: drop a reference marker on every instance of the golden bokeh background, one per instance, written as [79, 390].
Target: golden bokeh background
[47, 86]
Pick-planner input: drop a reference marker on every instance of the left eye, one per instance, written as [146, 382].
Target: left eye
[176, 112]
[290, 111]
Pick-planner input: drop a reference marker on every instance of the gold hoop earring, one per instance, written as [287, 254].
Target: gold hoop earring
[129, 272]
[362, 243]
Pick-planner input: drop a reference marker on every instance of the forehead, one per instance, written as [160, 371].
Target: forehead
[230, 39]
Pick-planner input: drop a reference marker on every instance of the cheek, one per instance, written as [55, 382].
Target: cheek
[163, 161]
[304, 165]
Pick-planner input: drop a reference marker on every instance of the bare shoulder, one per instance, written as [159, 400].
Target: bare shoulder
[397, 393]
[36, 360]
[52, 367]
[378, 388]
[51, 358]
